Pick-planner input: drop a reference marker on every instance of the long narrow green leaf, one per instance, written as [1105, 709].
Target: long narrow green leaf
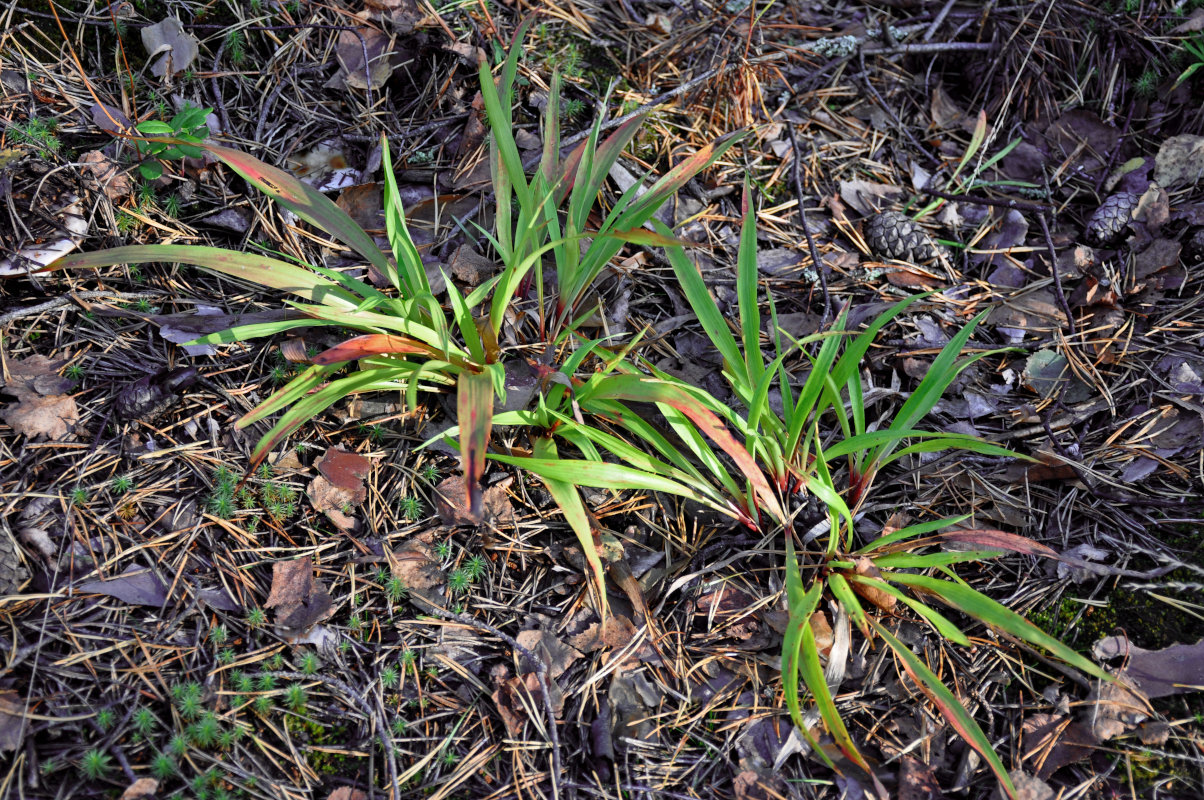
[501, 122]
[941, 373]
[813, 676]
[569, 500]
[314, 403]
[918, 529]
[844, 594]
[637, 388]
[800, 606]
[916, 561]
[951, 708]
[983, 608]
[746, 291]
[410, 275]
[241, 333]
[250, 267]
[599, 475]
[303, 200]
[294, 390]
[704, 307]
[938, 620]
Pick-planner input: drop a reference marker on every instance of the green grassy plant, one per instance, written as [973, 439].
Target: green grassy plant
[780, 458]
[409, 342]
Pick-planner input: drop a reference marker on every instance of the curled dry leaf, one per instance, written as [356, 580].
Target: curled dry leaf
[346, 470]
[554, 652]
[340, 486]
[866, 568]
[451, 502]
[298, 596]
[136, 586]
[141, 789]
[115, 183]
[175, 49]
[40, 410]
[346, 793]
[1180, 161]
[350, 51]
[333, 501]
[417, 566]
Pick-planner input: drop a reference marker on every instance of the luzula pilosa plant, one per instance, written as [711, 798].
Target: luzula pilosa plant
[410, 342]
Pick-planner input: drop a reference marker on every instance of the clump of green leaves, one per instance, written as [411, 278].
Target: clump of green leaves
[144, 721]
[309, 664]
[475, 567]
[121, 484]
[204, 733]
[256, 617]
[279, 500]
[459, 581]
[186, 130]
[163, 766]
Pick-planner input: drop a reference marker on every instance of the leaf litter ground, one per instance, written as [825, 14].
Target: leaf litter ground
[260, 639]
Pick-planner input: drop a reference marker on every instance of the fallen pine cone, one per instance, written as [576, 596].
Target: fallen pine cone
[893, 235]
[1109, 222]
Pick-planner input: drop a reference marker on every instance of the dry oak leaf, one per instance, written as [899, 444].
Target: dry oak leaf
[451, 501]
[416, 565]
[331, 500]
[298, 596]
[116, 184]
[554, 653]
[41, 408]
[175, 49]
[346, 470]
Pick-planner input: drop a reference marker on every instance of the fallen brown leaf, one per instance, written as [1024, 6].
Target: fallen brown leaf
[917, 781]
[12, 714]
[333, 501]
[1177, 669]
[107, 173]
[141, 789]
[41, 409]
[866, 569]
[416, 565]
[451, 502]
[346, 793]
[346, 470]
[298, 596]
[554, 653]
